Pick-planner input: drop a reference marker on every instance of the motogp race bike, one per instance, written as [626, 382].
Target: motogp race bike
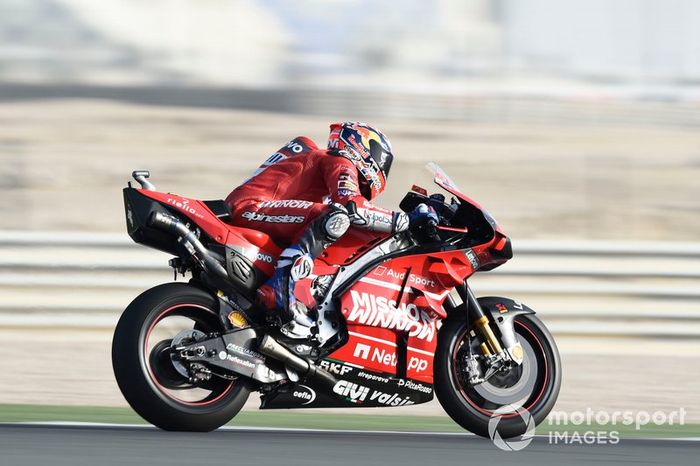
[397, 321]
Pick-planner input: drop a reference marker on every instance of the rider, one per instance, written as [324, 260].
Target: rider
[312, 196]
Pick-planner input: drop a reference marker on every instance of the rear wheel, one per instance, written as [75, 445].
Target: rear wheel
[533, 385]
[153, 383]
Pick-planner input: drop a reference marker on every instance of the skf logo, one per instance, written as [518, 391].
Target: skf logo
[335, 368]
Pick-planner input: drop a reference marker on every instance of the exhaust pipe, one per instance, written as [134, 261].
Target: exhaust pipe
[172, 225]
[270, 347]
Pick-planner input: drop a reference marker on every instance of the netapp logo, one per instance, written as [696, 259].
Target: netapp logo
[388, 358]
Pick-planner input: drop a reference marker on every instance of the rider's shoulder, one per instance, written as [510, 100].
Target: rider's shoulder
[306, 142]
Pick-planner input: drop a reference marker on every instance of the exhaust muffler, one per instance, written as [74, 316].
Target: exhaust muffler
[175, 227]
[271, 347]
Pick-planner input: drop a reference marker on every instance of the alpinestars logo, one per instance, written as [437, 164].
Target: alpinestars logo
[256, 216]
[302, 268]
[378, 311]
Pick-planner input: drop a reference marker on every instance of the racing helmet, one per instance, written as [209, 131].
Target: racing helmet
[366, 147]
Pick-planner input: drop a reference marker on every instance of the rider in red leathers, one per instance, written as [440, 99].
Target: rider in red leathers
[308, 197]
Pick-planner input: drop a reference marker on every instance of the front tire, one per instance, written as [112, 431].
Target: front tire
[534, 386]
[145, 376]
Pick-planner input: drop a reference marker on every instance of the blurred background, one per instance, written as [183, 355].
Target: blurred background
[574, 122]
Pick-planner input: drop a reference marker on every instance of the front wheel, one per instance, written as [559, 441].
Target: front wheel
[155, 386]
[533, 385]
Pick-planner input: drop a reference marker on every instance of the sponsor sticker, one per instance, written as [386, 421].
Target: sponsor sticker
[303, 265]
[246, 351]
[346, 192]
[472, 258]
[373, 377]
[335, 368]
[288, 203]
[379, 311]
[345, 181]
[237, 319]
[304, 392]
[184, 206]
[359, 394]
[419, 387]
[259, 217]
[223, 355]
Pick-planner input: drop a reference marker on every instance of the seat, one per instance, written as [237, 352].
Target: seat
[254, 237]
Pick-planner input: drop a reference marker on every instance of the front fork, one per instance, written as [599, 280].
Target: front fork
[502, 353]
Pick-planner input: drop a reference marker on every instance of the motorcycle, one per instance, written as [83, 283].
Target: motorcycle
[396, 321]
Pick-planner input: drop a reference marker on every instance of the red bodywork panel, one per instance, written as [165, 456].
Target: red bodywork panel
[400, 297]
[253, 242]
[398, 302]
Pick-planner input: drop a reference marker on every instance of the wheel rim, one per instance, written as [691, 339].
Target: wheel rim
[523, 386]
[199, 395]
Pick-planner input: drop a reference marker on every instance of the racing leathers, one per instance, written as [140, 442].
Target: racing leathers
[307, 198]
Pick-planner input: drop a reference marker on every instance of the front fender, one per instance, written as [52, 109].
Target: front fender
[503, 311]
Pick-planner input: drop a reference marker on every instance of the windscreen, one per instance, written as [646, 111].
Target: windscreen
[441, 178]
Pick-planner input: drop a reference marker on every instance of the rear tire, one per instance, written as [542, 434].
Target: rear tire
[136, 378]
[468, 408]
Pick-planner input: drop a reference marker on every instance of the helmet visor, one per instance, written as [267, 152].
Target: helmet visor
[382, 158]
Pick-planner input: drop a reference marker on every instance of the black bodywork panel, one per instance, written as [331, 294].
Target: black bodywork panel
[356, 388]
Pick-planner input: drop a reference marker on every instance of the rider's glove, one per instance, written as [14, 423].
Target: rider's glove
[400, 222]
[423, 220]
[423, 214]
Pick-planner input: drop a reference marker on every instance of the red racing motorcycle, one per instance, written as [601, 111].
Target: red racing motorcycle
[396, 322]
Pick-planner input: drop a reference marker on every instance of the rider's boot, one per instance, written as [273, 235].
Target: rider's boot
[296, 263]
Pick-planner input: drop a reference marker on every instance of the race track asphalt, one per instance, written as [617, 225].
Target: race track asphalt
[24, 445]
